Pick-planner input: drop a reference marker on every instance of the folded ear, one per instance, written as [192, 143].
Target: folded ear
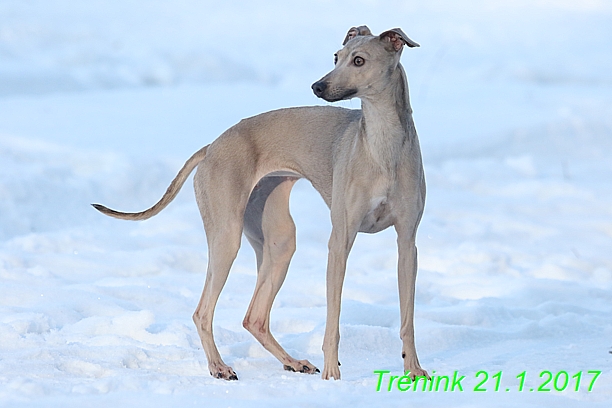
[355, 31]
[396, 38]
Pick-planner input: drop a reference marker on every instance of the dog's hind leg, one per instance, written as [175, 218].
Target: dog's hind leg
[222, 207]
[271, 231]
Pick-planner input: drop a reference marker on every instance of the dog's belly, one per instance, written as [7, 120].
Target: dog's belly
[378, 218]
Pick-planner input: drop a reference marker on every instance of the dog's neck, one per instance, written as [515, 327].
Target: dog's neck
[386, 124]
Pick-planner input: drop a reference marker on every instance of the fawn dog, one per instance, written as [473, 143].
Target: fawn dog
[366, 164]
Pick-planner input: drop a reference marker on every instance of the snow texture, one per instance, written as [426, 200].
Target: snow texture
[102, 101]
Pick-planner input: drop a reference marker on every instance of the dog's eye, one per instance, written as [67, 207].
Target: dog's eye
[358, 61]
[335, 59]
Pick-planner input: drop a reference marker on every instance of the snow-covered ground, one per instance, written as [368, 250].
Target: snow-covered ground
[102, 101]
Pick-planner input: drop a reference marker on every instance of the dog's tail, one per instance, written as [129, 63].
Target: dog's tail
[170, 194]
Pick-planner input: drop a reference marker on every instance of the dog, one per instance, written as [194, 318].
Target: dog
[366, 164]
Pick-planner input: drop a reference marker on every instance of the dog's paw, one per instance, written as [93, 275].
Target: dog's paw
[331, 372]
[223, 372]
[301, 366]
[414, 371]
[417, 372]
[413, 368]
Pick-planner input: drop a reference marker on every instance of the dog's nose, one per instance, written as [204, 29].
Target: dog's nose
[319, 87]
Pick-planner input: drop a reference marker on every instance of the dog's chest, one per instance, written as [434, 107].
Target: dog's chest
[379, 216]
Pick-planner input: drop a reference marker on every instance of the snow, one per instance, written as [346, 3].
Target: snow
[102, 101]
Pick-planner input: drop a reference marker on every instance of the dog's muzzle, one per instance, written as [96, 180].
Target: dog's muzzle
[319, 88]
[322, 90]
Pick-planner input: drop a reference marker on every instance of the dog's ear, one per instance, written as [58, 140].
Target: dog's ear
[396, 38]
[355, 31]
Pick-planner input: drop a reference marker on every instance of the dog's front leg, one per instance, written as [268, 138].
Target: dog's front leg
[346, 217]
[406, 274]
[340, 243]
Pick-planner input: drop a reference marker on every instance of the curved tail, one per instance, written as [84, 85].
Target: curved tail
[170, 194]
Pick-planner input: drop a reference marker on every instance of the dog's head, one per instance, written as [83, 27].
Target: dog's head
[364, 65]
